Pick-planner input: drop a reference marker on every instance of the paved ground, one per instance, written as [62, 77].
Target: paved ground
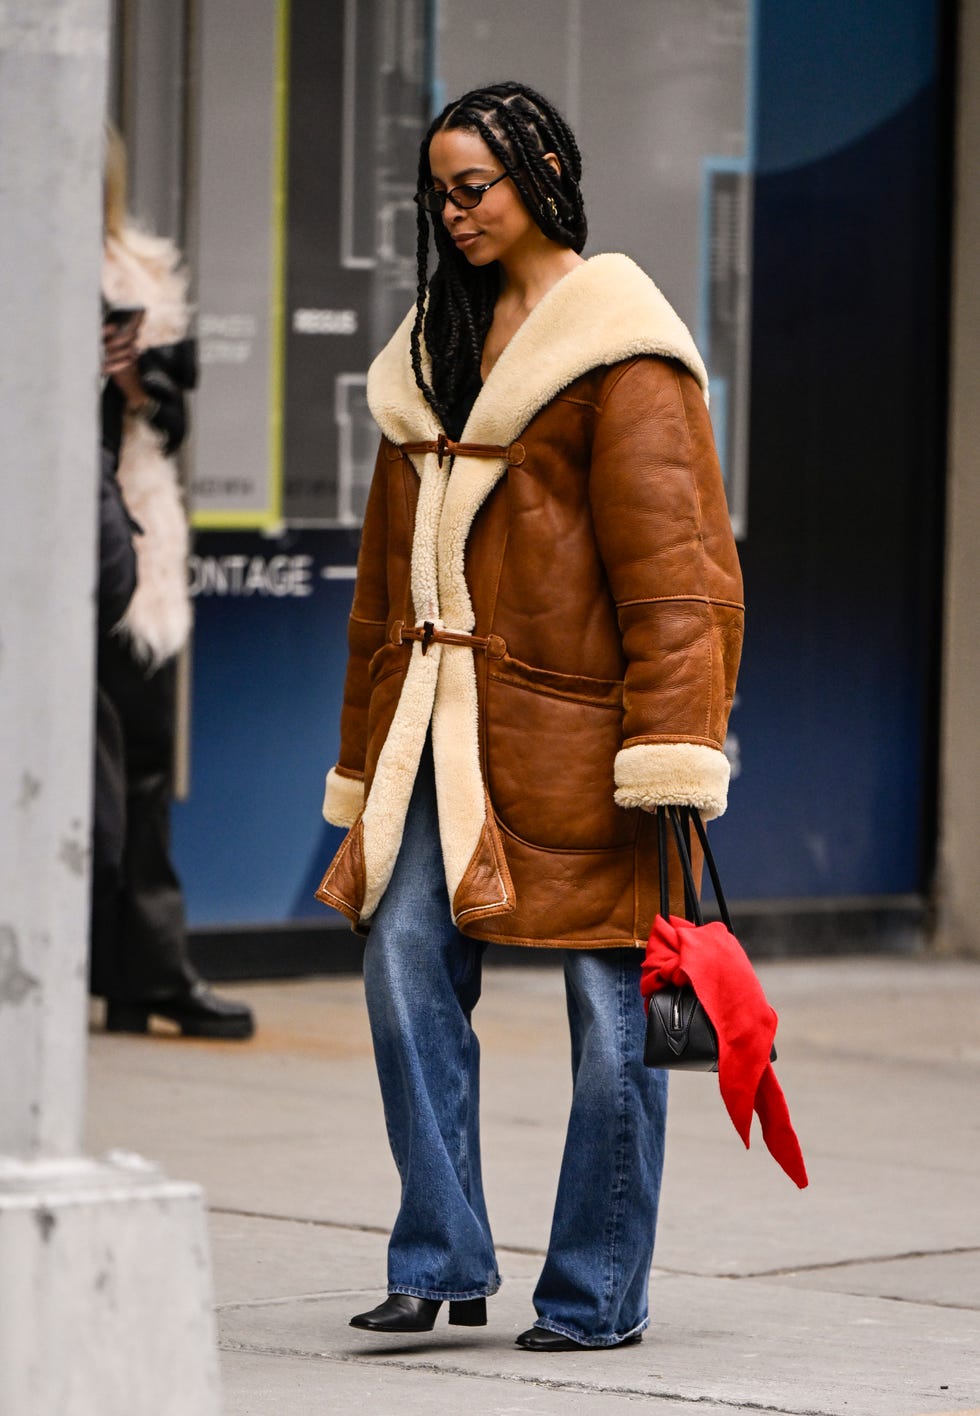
[857, 1297]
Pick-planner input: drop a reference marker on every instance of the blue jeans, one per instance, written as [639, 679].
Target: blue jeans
[422, 979]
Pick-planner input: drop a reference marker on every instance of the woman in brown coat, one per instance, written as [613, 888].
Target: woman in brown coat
[543, 647]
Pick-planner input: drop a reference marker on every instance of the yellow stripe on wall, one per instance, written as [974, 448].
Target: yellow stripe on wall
[277, 304]
[267, 520]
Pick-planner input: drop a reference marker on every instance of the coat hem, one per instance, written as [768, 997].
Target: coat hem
[520, 942]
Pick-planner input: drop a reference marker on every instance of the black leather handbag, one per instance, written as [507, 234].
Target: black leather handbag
[679, 1032]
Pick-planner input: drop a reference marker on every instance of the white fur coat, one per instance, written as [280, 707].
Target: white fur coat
[140, 269]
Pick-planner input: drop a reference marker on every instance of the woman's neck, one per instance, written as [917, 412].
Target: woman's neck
[522, 285]
[527, 279]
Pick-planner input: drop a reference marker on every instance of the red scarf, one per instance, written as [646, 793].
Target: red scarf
[713, 961]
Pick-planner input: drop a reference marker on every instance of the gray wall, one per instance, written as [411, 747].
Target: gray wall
[148, 98]
[958, 921]
[656, 93]
[649, 90]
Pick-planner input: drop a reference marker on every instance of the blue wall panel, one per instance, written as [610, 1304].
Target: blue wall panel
[836, 714]
[250, 843]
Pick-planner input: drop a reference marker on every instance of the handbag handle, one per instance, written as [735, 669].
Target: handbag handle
[680, 818]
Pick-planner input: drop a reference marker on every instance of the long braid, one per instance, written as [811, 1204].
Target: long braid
[421, 286]
[454, 310]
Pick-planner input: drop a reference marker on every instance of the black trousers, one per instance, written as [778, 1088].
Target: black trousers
[138, 926]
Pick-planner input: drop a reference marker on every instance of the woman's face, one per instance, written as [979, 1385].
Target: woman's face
[500, 228]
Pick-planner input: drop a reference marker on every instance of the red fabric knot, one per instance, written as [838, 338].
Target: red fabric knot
[712, 960]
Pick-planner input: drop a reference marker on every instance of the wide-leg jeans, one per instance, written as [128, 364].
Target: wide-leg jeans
[423, 980]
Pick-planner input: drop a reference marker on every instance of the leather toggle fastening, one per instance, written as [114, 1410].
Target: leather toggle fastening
[427, 634]
[444, 447]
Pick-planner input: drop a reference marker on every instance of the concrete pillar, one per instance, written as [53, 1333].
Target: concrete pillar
[105, 1294]
[958, 919]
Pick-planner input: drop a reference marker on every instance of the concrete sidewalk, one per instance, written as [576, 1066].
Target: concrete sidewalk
[857, 1297]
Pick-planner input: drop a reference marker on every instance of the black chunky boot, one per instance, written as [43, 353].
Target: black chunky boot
[198, 1013]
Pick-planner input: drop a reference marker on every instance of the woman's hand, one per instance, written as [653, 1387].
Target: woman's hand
[119, 355]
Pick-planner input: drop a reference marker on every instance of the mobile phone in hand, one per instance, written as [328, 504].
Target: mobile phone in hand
[122, 315]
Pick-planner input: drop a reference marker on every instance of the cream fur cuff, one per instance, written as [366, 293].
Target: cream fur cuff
[342, 799]
[652, 774]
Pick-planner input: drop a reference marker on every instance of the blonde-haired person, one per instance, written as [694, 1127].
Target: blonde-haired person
[139, 960]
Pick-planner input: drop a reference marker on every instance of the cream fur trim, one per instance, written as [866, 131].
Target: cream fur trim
[343, 798]
[157, 622]
[394, 777]
[602, 312]
[460, 789]
[651, 774]
[140, 269]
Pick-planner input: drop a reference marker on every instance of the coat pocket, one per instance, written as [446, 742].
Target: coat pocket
[343, 886]
[387, 672]
[551, 740]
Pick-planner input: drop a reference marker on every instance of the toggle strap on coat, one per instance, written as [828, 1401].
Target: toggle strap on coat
[444, 447]
[428, 633]
[712, 960]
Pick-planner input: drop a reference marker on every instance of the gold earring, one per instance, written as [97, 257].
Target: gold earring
[552, 206]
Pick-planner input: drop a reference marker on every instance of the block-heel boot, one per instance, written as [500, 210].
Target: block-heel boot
[468, 1312]
[401, 1312]
[198, 1012]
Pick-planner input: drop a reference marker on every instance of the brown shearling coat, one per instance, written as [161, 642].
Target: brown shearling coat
[577, 542]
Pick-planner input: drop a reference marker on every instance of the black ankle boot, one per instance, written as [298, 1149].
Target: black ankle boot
[538, 1339]
[198, 1013]
[400, 1312]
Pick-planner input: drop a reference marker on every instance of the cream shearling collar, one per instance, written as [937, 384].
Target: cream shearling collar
[603, 311]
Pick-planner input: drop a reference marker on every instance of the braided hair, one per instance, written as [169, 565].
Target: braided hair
[518, 126]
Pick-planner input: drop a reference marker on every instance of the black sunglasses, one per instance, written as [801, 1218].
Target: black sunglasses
[465, 197]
